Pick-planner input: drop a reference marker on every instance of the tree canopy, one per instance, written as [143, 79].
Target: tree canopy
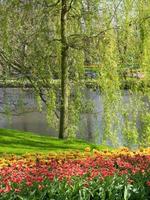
[50, 43]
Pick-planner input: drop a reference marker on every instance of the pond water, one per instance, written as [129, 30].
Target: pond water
[26, 116]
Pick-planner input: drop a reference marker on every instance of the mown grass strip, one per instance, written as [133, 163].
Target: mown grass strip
[19, 142]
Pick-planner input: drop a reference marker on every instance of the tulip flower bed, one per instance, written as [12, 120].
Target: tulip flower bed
[117, 175]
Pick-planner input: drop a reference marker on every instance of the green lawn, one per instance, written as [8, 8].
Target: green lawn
[19, 142]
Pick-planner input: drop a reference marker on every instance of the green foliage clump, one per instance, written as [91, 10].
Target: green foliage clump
[112, 188]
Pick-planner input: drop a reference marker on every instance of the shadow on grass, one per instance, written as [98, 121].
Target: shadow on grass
[14, 139]
[35, 144]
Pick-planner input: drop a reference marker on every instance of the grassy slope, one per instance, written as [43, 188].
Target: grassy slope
[19, 142]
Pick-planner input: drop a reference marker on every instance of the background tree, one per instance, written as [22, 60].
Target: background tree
[49, 43]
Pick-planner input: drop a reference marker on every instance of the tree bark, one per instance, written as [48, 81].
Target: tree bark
[64, 73]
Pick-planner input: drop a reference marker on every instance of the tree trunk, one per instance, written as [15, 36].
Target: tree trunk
[64, 73]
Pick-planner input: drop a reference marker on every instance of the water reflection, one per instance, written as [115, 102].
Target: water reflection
[27, 117]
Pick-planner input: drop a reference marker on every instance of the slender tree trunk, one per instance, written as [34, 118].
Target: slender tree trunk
[64, 73]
